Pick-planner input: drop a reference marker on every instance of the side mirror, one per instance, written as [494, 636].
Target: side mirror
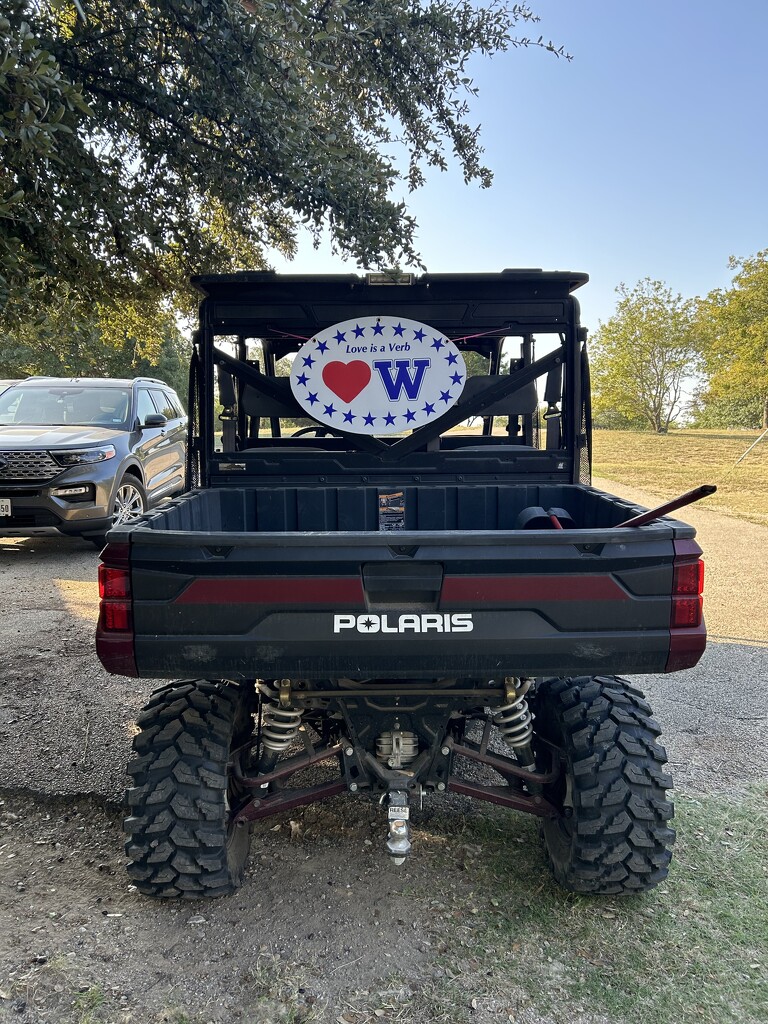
[155, 419]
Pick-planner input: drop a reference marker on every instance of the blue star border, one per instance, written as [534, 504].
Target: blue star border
[378, 329]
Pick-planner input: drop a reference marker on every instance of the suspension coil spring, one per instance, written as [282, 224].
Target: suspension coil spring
[514, 719]
[279, 727]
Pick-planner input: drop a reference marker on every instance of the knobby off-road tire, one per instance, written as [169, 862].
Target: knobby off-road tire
[613, 837]
[181, 839]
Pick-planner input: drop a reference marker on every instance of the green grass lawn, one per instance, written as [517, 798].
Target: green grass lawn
[694, 950]
[669, 464]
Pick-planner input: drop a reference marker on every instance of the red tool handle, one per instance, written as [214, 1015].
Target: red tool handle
[656, 513]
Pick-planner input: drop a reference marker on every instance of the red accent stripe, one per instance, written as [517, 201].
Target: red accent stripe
[468, 589]
[333, 591]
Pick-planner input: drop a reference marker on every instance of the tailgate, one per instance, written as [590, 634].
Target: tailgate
[421, 605]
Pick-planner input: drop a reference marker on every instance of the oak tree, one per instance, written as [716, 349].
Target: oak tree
[141, 142]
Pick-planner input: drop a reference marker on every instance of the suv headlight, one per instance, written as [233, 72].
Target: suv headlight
[84, 456]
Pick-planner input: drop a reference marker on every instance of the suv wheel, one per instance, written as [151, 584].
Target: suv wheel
[612, 836]
[130, 501]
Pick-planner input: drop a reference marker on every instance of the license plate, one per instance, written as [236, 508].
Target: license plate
[5, 506]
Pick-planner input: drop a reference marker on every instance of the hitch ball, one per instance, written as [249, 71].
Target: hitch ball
[398, 841]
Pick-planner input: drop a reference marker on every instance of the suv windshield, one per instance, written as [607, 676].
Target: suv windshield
[64, 405]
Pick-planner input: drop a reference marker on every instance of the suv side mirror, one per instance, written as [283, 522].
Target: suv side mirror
[155, 419]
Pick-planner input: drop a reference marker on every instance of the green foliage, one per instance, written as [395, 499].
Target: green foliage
[642, 356]
[728, 411]
[171, 364]
[734, 326]
[87, 1004]
[71, 339]
[143, 142]
[475, 362]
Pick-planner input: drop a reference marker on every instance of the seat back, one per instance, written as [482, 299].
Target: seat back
[524, 401]
[256, 404]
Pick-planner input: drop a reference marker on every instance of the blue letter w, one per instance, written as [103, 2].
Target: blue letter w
[404, 379]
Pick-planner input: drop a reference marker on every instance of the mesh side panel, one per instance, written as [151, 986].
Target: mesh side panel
[585, 452]
[193, 427]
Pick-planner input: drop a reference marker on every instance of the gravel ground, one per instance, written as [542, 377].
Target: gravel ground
[322, 907]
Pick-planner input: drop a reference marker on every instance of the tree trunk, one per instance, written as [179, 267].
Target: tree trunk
[765, 413]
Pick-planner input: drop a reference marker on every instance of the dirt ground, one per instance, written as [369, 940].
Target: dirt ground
[325, 928]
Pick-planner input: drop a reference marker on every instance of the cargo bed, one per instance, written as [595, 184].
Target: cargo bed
[431, 507]
[244, 581]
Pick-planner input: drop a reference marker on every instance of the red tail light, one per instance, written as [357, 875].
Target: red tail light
[688, 635]
[687, 587]
[114, 633]
[688, 577]
[686, 612]
[115, 616]
[114, 582]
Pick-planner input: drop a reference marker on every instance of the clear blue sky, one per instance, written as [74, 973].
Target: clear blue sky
[646, 155]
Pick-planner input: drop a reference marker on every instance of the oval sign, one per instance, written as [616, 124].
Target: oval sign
[378, 375]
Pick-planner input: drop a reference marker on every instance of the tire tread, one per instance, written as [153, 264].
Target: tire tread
[178, 843]
[620, 840]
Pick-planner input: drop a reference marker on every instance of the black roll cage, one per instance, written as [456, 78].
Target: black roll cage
[477, 311]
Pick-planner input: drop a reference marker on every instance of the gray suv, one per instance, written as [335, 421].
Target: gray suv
[82, 454]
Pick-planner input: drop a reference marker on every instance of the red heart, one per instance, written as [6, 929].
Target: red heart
[346, 380]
